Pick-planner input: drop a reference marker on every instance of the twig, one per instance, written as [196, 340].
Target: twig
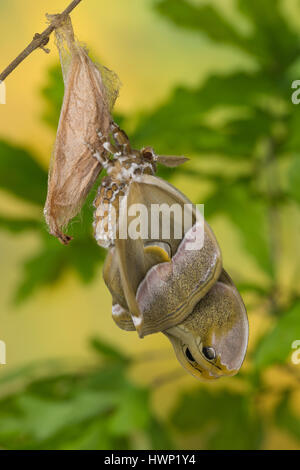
[39, 40]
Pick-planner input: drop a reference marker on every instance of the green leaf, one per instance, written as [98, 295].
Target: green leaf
[201, 18]
[93, 437]
[251, 287]
[111, 376]
[248, 214]
[85, 256]
[58, 415]
[244, 134]
[47, 266]
[272, 35]
[107, 351]
[53, 259]
[292, 141]
[133, 413]
[272, 41]
[276, 345]
[43, 268]
[159, 435]
[19, 225]
[21, 174]
[93, 408]
[286, 419]
[222, 420]
[179, 125]
[53, 93]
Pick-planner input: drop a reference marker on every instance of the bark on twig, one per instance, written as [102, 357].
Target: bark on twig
[39, 40]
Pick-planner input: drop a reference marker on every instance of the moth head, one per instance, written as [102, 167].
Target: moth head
[212, 341]
[148, 154]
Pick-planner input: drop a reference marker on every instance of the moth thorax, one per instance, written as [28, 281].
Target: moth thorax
[107, 211]
[130, 167]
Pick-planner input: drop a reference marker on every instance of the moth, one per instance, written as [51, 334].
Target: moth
[156, 282]
[158, 285]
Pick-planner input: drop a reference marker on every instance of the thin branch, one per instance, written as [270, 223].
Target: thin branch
[39, 40]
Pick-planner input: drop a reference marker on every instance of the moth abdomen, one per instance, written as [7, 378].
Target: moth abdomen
[106, 213]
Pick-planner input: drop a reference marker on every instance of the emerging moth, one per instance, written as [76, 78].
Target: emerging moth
[160, 285]
[157, 283]
[123, 165]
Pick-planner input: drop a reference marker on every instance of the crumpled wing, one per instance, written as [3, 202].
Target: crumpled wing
[112, 279]
[86, 110]
[151, 192]
[130, 256]
[160, 295]
[170, 291]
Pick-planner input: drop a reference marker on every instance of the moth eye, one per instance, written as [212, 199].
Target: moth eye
[209, 353]
[189, 355]
[147, 154]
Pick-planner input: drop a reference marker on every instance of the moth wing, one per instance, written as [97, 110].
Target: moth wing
[160, 294]
[131, 257]
[122, 318]
[170, 290]
[156, 195]
[226, 279]
[112, 279]
[171, 161]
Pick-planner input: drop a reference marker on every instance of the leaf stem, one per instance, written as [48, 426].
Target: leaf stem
[39, 41]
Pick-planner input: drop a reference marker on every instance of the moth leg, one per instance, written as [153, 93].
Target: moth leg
[105, 143]
[131, 258]
[120, 137]
[97, 154]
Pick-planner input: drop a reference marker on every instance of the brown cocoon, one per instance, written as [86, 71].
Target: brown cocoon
[90, 93]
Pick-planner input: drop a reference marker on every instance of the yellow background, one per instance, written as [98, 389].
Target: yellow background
[151, 57]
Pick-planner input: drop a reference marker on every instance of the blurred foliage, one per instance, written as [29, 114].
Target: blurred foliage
[91, 409]
[259, 126]
[275, 346]
[221, 415]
